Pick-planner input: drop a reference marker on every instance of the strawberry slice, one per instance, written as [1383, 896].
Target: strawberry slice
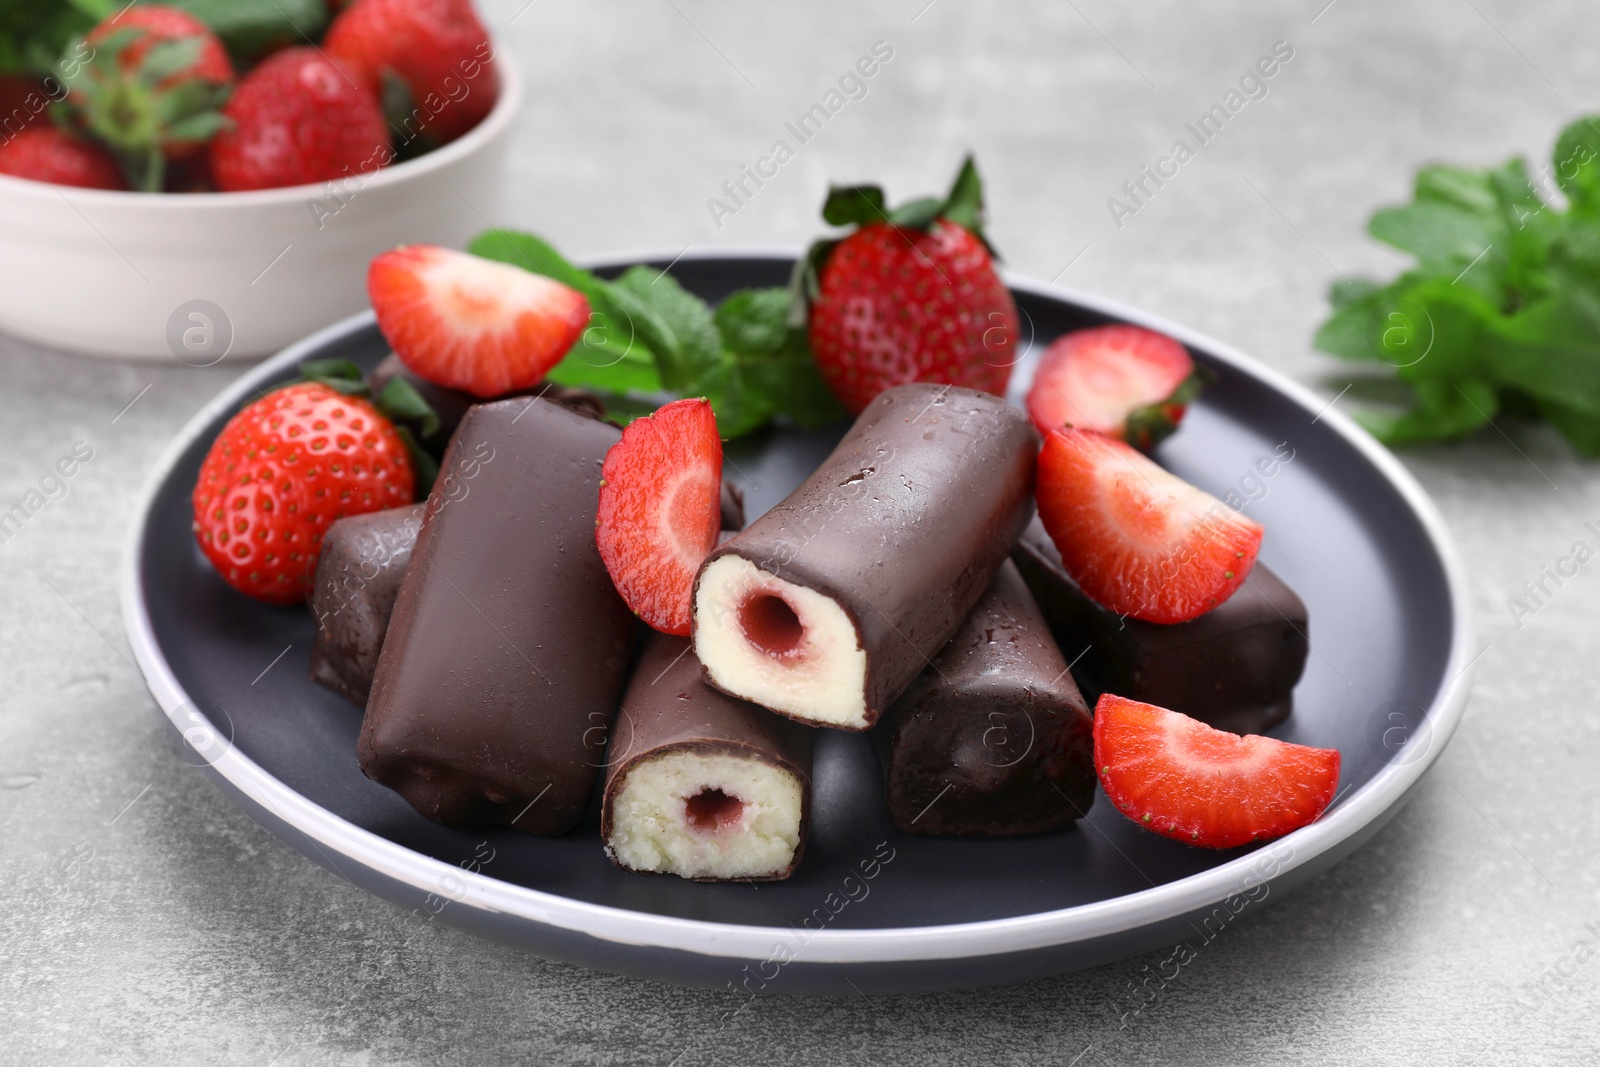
[660, 510]
[472, 324]
[1124, 381]
[1137, 539]
[1184, 780]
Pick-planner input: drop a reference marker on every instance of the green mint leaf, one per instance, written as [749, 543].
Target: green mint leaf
[597, 363]
[399, 399]
[754, 321]
[1576, 163]
[675, 323]
[532, 254]
[774, 358]
[1440, 235]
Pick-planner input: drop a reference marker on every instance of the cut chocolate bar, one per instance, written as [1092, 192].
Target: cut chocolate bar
[994, 739]
[699, 784]
[362, 562]
[826, 607]
[509, 645]
[1235, 667]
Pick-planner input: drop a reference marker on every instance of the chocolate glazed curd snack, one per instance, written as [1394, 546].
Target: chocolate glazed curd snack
[1235, 667]
[994, 738]
[699, 784]
[826, 607]
[508, 643]
[359, 571]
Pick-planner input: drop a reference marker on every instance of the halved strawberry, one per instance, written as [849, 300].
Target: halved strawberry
[1137, 539]
[1184, 780]
[472, 324]
[660, 509]
[1124, 381]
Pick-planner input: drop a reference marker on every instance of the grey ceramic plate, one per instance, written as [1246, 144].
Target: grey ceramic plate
[869, 909]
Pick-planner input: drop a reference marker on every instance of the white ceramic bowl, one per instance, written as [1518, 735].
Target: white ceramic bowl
[200, 276]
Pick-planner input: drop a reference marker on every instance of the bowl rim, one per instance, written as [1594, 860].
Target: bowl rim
[1365, 806]
[503, 114]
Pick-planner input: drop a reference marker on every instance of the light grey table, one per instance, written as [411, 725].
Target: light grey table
[143, 918]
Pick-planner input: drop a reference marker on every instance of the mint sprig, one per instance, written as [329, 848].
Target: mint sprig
[1501, 314]
[649, 336]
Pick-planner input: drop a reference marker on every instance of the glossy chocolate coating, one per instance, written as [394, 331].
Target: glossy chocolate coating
[1235, 667]
[363, 561]
[732, 507]
[509, 646]
[905, 523]
[451, 404]
[669, 707]
[993, 739]
[359, 571]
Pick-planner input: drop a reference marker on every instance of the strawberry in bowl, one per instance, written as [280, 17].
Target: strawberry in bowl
[245, 217]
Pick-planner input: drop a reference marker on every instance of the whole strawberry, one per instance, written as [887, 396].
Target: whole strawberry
[437, 49]
[911, 296]
[279, 474]
[50, 154]
[298, 119]
[150, 89]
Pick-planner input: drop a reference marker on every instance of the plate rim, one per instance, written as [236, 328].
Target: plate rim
[1368, 805]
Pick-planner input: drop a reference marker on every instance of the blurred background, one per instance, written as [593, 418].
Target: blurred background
[185, 932]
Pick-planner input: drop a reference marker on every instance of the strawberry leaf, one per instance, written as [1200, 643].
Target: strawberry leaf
[964, 204]
[166, 58]
[252, 28]
[399, 399]
[853, 205]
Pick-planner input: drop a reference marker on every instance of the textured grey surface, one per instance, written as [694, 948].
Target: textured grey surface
[143, 918]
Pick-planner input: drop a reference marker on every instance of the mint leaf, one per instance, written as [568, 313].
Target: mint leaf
[1576, 162]
[775, 358]
[532, 254]
[675, 323]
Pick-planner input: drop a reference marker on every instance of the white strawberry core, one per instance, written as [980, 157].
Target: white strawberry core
[1101, 392]
[780, 645]
[700, 815]
[480, 294]
[685, 506]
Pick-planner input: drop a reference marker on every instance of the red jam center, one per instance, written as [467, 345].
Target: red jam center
[712, 809]
[770, 624]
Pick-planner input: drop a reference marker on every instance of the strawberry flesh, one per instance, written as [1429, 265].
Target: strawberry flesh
[1096, 379]
[660, 510]
[1137, 539]
[1182, 779]
[467, 323]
